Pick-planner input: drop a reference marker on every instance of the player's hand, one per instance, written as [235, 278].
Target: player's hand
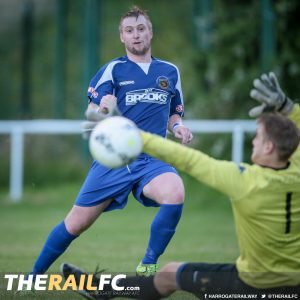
[94, 116]
[268, 92]
[93, 113]
[87, 127]
[108, 104]
[183, 133]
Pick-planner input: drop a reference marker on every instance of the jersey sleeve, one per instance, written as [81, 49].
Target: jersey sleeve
[177, 105]
[295, 116]
[225, 176]
[101, 84]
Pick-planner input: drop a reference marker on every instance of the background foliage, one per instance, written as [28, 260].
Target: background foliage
[217, 51]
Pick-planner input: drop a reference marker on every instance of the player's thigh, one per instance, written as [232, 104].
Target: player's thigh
[165, 188]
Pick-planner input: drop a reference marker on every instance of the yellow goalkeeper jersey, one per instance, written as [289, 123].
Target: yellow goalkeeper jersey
[266, 208]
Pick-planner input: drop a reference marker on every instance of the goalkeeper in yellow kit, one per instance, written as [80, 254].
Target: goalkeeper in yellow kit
[265, 198]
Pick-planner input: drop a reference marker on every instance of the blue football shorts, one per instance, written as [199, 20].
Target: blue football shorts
[102, 183]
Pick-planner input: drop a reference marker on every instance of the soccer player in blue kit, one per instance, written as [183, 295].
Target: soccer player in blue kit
[148, 91]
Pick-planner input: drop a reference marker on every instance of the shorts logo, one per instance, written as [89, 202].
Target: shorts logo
[163, 82]
[93, 92]
[147, 95]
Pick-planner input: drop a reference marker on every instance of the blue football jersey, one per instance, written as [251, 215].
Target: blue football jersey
[147, 98]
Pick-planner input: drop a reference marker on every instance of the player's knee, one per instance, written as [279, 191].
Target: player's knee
[81, 218]
[176, 192]
[170, 268]
[78, 226]
[179, 197]
[165, 279]
[175, 196]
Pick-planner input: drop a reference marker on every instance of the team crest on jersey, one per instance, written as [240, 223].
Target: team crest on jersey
[163, 82]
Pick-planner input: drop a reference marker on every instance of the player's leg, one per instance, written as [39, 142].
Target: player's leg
[165, 281]
[166, 189]
[81, 218]
[153, 287]
[100, 186]
[205, 278]
[158, 286]
[61, 236]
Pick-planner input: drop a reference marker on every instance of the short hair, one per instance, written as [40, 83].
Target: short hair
[282, 132]
[135, 12]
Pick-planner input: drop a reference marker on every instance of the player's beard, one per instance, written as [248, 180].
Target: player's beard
[138, 52]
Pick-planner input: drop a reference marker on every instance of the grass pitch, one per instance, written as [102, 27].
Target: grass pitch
[117, 240]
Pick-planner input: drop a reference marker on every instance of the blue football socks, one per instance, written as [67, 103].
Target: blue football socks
[162, 230]
[58, 241]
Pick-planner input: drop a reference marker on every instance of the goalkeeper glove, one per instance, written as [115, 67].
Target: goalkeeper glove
[268, 92]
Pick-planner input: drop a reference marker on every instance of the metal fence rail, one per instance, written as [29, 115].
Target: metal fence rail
[18, 129]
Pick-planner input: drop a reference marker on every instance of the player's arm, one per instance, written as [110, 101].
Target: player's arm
[95, 113]
[101, 92]
[224, 176]
[176, 126]
[101, 102]
[268, 92]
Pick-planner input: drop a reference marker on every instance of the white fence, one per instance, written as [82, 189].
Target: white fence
[18, 129]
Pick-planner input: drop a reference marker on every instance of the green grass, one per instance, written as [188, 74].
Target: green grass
[117, 240]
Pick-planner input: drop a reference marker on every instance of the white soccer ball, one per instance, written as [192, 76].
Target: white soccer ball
[115, 142]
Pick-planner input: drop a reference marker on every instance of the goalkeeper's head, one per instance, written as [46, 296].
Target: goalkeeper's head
[276, 139]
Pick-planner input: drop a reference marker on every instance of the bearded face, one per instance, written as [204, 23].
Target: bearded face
[136, 34]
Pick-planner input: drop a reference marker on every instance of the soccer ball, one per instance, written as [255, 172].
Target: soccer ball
[115, 142]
